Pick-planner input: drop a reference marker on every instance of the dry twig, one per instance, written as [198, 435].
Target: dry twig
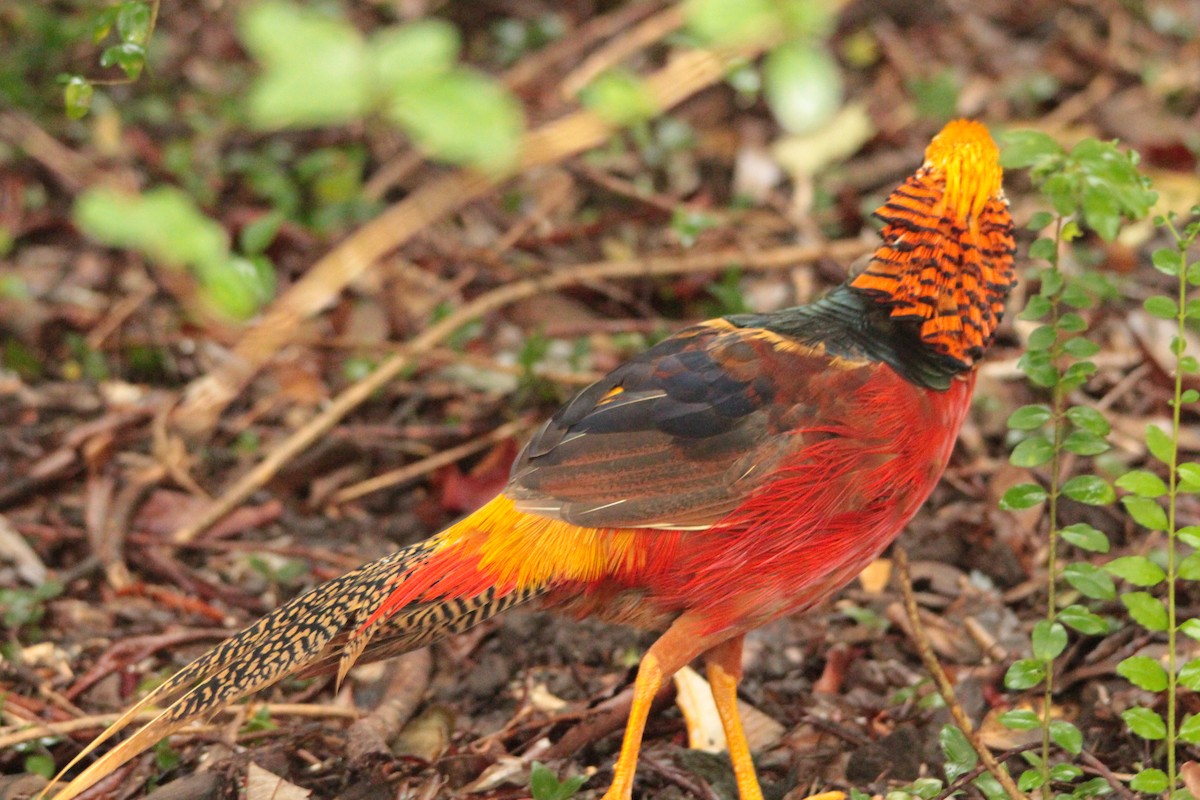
[10, 737]
[925, 650]
[426, 465]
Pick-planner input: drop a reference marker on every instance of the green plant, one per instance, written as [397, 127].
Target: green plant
[319, 70]
[1144, 503]
[25, 607]
[1094, 185]
[166, 226]
[130, 23]
[545, 785]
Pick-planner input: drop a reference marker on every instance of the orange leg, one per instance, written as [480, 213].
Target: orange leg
[724, 667]
[675, 648]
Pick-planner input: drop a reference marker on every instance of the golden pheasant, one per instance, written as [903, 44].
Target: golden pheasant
[742, 469]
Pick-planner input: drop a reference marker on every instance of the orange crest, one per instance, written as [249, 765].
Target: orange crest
[946, 257]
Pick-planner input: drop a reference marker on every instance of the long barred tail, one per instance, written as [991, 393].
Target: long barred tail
[310, 634]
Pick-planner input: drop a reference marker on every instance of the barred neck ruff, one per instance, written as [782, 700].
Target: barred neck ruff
[946, 262]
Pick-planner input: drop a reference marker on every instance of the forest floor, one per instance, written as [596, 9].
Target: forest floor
[98, 471]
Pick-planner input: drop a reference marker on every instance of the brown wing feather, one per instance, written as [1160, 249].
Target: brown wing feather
[677, 437]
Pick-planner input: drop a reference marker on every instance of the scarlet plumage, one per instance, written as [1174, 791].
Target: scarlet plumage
[745, 468]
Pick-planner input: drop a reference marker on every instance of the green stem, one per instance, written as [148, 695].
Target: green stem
[1172, 492]
[1057, 402]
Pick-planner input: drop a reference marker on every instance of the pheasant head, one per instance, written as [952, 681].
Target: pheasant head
[946, 262]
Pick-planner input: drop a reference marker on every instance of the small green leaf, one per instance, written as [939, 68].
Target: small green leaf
[1146, 610]
[1066, 736]
[1189, 568]
[1030, 780]
[1065, 773]
[960, 756]
[1028, 148]
[40, 764]
[620, 98]
[1189, 477]
[1189, 535]
[1028, 418]
[1078, 373]
[238, 287]
[1052, 281]
[1085, 537]
[1145, 723]
[77, 97]
[1039, 367]
[545, 785]
[1042, 337]
[461, 116]
[1161, 307]
[1090, 581]
[102, 23]
[1020, 720]
[315, 67]
[1088, 790]
[1049, 640]
[1036, 308]
[1190, 628]
[1189, 731]
[1138, 570]
[1078, 347]
[258, 235]
[1039, 220]
[1152, 781]
[1089, 489]
[1189, 675]
[1021, 496]
[732, 22]
[1146, 512]
[1102, 212]
[129, 56]
[416, 51]
[133, 22]
[1160, 444]
[1085, 443]
[1032, 452]
[1089, 419]
[1166, 260]
[1043, 249]
[1071, 322]
[1083, 620]
[1142, 483]
[803, 86]
[163, 223]
[1025, 674]
[1143, 672]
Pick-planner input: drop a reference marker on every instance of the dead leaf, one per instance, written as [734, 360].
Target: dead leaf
[16, 551]
[264, 785]
[875, 577]
[427, 736]
[1190, 771]
[695, 701]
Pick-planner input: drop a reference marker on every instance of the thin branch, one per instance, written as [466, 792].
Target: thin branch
[921, 640]
[41, 730]
[415, 470]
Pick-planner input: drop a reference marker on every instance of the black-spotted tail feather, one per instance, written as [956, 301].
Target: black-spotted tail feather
[309, 634]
